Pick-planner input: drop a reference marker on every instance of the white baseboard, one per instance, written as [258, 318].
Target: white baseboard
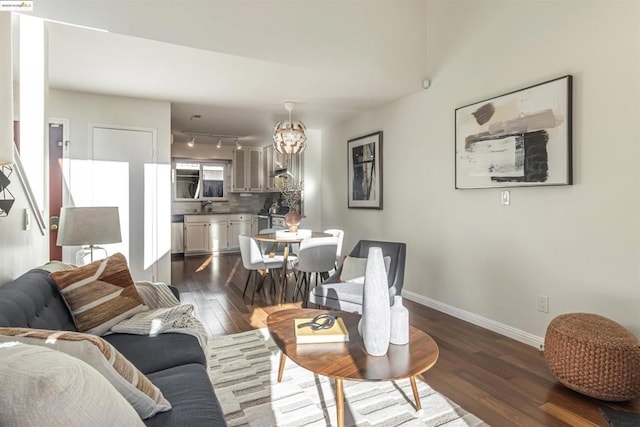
[483, 322]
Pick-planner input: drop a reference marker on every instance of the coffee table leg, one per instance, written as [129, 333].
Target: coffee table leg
[340, 402]
[281, 368]
[416, 395]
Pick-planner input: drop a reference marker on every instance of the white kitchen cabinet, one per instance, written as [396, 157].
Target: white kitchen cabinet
[277, 166]
[272, 161]
[218, 236]
[177, 237]
[255, 228]
[205, 233]
[247, 169]
[215, 233]
[239, 224]
[196, 237]
[239, 170]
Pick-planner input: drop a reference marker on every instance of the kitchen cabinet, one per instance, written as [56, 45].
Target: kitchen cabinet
[177, 237]
[277, 166]
[196, 237]
[273, 162]
[255, 227]
[247, 169]
[218, 236]
[238, 224]
[205, 233]
[216, 232]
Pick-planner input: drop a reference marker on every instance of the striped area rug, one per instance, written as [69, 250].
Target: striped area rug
[243, 369]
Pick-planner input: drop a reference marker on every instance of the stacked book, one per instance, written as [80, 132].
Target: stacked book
[306, 335]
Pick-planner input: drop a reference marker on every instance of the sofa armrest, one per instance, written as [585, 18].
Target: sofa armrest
[335, 277]
[175, 291]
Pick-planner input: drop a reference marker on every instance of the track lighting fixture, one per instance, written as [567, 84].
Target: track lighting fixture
[221, 138]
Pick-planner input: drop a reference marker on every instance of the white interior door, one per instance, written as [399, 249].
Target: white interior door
[120, 169]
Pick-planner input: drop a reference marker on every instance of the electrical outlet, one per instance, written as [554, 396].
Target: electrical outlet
[543, 303]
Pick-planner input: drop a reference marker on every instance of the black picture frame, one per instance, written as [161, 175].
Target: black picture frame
[522, 138]
[365, 171]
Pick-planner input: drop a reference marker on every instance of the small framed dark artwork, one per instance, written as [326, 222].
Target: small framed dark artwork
[522, 138]
[365, 171]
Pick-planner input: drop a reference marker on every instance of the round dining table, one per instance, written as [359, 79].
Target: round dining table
[286, 238]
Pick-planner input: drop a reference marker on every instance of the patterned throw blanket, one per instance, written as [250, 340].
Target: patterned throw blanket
[166, 314]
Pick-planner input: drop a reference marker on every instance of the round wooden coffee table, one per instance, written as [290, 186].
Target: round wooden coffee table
[350, 360]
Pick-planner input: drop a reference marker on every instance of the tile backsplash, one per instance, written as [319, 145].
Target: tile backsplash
[237, 203]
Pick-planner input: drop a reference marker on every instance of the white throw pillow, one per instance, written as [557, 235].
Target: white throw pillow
[353, 269]
[133, 385]
[44, 387]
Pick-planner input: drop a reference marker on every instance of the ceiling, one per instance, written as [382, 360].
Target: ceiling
[235, 63]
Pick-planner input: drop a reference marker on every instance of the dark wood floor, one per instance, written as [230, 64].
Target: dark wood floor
[502, 381]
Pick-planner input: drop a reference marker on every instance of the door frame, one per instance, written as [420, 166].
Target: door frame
[61, 195]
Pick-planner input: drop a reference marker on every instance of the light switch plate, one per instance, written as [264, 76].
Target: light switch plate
[505, 198]
[27, 219]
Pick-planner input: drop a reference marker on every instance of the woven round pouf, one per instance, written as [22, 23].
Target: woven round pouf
[593, 355]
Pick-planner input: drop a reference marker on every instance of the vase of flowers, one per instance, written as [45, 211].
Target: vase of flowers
[292, 193]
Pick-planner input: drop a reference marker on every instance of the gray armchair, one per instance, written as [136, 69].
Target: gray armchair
[347, 296]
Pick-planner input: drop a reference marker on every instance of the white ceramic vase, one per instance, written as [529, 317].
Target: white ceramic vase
[399, 322]
[375, 305]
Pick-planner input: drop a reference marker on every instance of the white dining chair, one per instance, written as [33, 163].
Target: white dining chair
[316, 257]
[258, 264]
[270, 247]
[335, 232]
[267, 247]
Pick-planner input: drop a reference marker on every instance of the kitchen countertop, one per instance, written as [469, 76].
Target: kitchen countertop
[180, 217]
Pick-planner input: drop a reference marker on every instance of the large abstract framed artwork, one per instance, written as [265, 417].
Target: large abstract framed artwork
[522, 138]
[365, 171]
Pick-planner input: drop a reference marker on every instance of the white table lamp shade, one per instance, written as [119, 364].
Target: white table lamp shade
[89, 226]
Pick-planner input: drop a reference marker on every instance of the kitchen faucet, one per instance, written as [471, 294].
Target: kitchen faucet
[205, 204]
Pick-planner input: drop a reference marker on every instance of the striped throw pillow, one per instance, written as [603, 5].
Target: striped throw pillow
[100, 294]
[132, 384]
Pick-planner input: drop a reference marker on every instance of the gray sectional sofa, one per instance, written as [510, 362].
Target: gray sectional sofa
[175, 363]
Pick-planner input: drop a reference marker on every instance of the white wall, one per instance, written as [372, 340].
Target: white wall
[20, 250]
[84, 109]
[580, 244]
[312, 181]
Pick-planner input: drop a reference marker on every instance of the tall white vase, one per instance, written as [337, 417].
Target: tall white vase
[399, 322]
[375, 305]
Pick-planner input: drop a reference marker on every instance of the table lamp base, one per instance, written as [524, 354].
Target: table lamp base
[88, 254]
